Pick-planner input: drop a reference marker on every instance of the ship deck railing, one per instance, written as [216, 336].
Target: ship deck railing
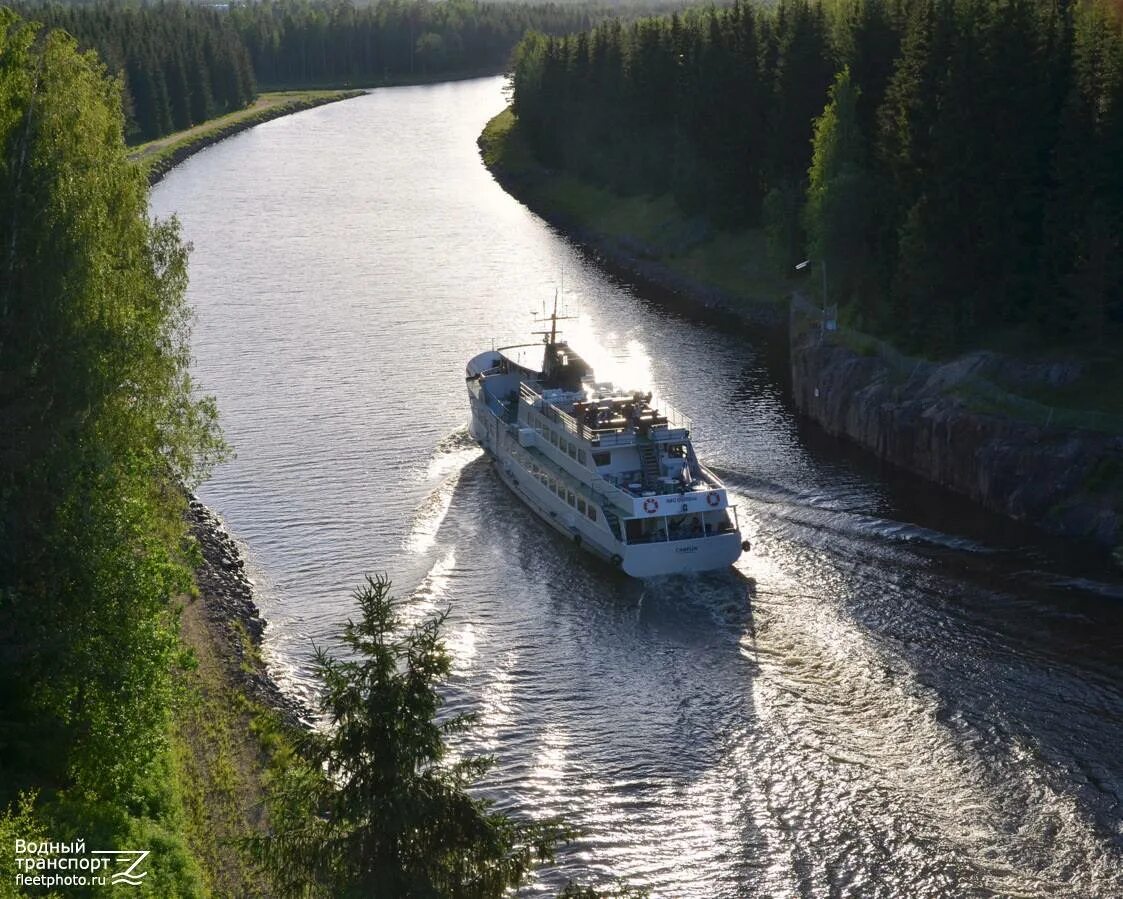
[624, 500]
[668, 420]
[595, 493]
[632, 484]
[662, 489]
[603, 488]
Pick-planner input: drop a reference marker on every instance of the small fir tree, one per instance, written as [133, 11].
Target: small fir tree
[380, 809]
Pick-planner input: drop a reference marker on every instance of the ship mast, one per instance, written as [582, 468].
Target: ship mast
[550, 338]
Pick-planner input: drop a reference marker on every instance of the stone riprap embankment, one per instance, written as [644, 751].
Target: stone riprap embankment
[226, 592]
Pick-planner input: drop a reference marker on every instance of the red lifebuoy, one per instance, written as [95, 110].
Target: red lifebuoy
[714, 499]
[651, 505]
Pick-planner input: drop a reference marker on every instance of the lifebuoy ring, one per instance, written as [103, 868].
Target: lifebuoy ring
[650, 505]
[714, 499]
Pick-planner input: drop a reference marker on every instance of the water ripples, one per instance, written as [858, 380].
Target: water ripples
[890, 696]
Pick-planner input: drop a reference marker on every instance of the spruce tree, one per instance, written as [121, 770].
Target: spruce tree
[381, 809]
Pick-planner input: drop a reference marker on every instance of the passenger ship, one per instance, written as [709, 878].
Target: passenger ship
[609, 470]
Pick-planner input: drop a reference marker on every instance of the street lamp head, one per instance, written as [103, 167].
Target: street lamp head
[803, 265]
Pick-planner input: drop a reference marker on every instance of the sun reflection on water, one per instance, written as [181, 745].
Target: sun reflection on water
[461, 644]
[497, 702]
[626, 363]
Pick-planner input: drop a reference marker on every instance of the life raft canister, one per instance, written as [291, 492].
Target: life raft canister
[651, 505]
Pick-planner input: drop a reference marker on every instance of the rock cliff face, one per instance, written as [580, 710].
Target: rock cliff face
[916, 416]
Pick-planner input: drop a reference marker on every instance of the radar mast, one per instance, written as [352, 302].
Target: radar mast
[550, 338]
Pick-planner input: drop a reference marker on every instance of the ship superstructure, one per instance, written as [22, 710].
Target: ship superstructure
[608, 468]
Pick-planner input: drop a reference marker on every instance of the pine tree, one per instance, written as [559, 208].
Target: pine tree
[380, 809]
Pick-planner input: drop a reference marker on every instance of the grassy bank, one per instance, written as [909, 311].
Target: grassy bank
[233, 728]
[651, 233]
[158, 156]
[224, 746]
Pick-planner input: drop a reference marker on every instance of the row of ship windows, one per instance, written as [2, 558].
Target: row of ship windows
[565, 495]
[566, 446]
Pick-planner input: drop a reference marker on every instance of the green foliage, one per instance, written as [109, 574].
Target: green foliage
[379, 808]
[180, 63]
[802, 74]
[783, 227]
[712, 107]
[962, 179]
[341, 43]
[681, 105]
[184, 63]
[149, 819]
[17, 822]
[838, 150]
[840, 192]
[99, 429]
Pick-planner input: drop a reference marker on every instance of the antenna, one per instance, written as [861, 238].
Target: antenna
[551, 335]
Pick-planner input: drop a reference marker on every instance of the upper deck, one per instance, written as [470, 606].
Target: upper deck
[607, 417]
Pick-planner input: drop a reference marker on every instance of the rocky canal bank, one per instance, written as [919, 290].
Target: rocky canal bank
[954, 424]
[233, 618]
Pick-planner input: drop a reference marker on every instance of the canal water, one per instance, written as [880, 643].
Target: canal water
[892, 695]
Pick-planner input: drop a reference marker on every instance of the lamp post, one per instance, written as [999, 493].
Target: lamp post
[823, 264]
